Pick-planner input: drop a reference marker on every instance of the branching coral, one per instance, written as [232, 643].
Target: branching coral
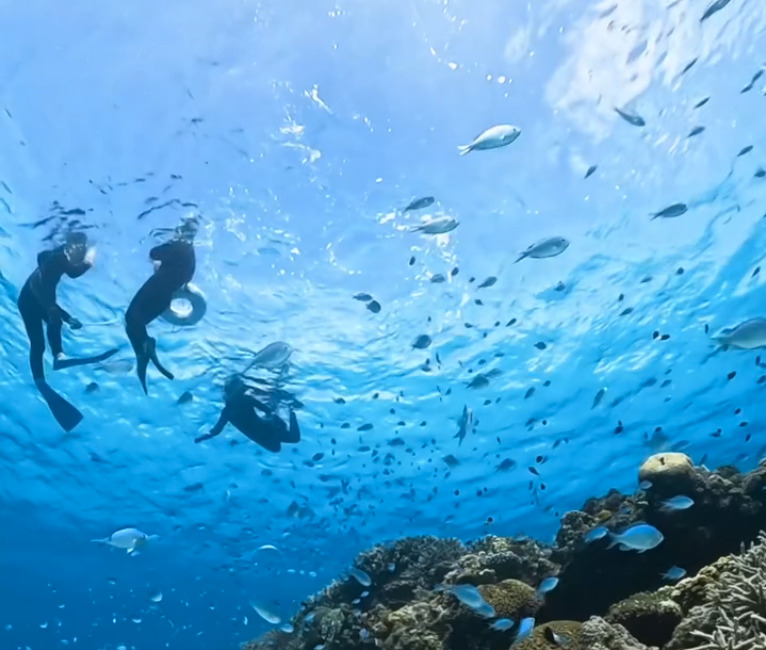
[735, 616]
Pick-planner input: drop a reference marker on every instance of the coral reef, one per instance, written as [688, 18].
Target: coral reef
[413, 601]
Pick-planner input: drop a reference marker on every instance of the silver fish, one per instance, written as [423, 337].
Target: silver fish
[675, 210]
[419, 204]
[273, 355]
[749, 335]
[496, 136]
[129, 539]
[635, 120]
[437, 226]
[546, 248]
[465, 424]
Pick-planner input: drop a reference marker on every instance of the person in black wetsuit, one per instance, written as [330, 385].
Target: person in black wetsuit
[37, 305]
[269, 431]
[175, 262]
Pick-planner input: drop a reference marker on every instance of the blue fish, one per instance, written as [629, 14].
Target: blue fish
[502, 624]
[674, 573]
[547, 585]
[679, 502]
[525, 629]
[645, 485]
[639, 537]
[596, 533]
[471, 597]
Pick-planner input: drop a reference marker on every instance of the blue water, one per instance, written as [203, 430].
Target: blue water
[298, 131]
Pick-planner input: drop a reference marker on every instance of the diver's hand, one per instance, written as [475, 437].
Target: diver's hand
[75, 324]
[207, 436]
[90, 256]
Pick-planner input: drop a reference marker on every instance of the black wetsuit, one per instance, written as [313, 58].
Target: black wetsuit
[37, 304]
[178, 262]
[269, 431]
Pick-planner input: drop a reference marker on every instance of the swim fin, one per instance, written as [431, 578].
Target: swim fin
[61, 364]
[66, 414]
[152, 353]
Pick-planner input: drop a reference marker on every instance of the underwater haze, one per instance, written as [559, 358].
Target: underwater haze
[299, 132]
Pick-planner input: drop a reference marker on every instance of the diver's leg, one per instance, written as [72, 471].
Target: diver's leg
[293, 434]
[32, 316]
[55, 321]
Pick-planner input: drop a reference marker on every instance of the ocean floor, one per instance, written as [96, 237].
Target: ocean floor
[699, 585]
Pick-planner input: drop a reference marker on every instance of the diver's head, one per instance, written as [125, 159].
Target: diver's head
[187, 229]
[76, 245]
[234, 386]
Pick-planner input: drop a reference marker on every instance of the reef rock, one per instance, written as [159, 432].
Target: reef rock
[671, 468]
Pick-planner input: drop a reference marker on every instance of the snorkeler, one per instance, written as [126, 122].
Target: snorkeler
[37, 305]
[240, 409]
[174, 264]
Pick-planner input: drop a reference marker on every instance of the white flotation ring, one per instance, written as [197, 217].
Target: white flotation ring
[186, 317]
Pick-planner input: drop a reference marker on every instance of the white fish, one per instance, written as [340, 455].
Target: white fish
[362, 577]
[117, 366]
[546, 248]
[496, 136]
[130, 539]
[437, 226]
[746, 336]
[268, 547]
[272, 356]
[266, 615]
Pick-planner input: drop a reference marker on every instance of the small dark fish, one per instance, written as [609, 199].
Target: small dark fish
[695, 131]
[540, 345]
[760, 173]
[186, 397]
[506, 465]
[529, 393]
[745, 150]
[713, 9]
[438, 278]
[599, 396]
[689, 66]
[675, 210]
[422, 342]
[92, 387]
[702, 102]
[488, 282]
[419, 204]
[362, 297]
[635, 120]
[755, 78]
[479, 381]
[591, 171]
[374, 306]
[451, 461]
[365, 427]
[194, 487]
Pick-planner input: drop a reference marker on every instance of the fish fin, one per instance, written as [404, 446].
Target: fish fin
[521, 257]
[613, 541]
[464, 149]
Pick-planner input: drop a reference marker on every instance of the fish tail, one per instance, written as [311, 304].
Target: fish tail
[103, 540]
[521, 257]
[464, 149]
[613, 541]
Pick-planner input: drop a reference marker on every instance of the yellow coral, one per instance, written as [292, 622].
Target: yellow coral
[511, 599]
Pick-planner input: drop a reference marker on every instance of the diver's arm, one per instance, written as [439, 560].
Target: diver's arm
[163, 252]
[217, 429]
